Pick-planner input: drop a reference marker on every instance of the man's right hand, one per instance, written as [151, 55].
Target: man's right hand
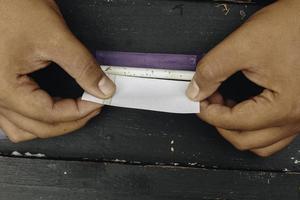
[266, 49]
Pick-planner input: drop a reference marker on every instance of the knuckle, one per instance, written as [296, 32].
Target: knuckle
[43, 135]
[5, 92]
[87, 69]
[52, 114]
[241, 145]
[50, 131]
[205, 68]
[77, 124]
[57, 129]
[80, 124]
[262, 153]
[47, 132]
[292, 113]
[15, 138]
[49, 117]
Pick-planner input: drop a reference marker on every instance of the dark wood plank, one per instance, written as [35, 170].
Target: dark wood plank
[153, 25]
[146, 137]
[132, 135]
[48, 179]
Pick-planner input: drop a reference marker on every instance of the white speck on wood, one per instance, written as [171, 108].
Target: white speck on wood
[243, 14]
[16, 153]
[172, 149]
[119, 161]
[136, 162]
[192, 164]
[37, 155]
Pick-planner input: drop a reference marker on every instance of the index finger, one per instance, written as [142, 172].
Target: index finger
[253, 114]
[25, 97]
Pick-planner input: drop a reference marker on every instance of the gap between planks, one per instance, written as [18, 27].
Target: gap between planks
[151, 164]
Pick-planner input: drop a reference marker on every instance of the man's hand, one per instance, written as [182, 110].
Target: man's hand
[267, 50]
[33, 34]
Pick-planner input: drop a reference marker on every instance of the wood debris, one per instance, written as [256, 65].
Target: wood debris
[225, 9]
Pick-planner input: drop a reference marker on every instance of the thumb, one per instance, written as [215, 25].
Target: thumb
[77, 61]
[214, 68]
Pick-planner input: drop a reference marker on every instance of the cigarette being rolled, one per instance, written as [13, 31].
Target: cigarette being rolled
[149, 72]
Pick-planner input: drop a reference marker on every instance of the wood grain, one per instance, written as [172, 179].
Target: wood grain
[64, 180]
[145, 137]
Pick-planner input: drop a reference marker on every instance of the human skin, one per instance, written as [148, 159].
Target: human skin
[34, 34]
[266, 49]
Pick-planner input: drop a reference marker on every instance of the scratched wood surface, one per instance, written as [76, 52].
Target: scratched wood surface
[65, 180]
[188, 159]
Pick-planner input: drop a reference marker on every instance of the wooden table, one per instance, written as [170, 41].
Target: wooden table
[134, 154]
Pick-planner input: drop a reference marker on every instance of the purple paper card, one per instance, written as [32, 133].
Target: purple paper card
[148, 60]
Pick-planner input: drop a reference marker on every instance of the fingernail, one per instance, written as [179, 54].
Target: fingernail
[106, 86]
[193, 90]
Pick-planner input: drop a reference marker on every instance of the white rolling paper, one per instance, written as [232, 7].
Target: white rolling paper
[149, 94]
